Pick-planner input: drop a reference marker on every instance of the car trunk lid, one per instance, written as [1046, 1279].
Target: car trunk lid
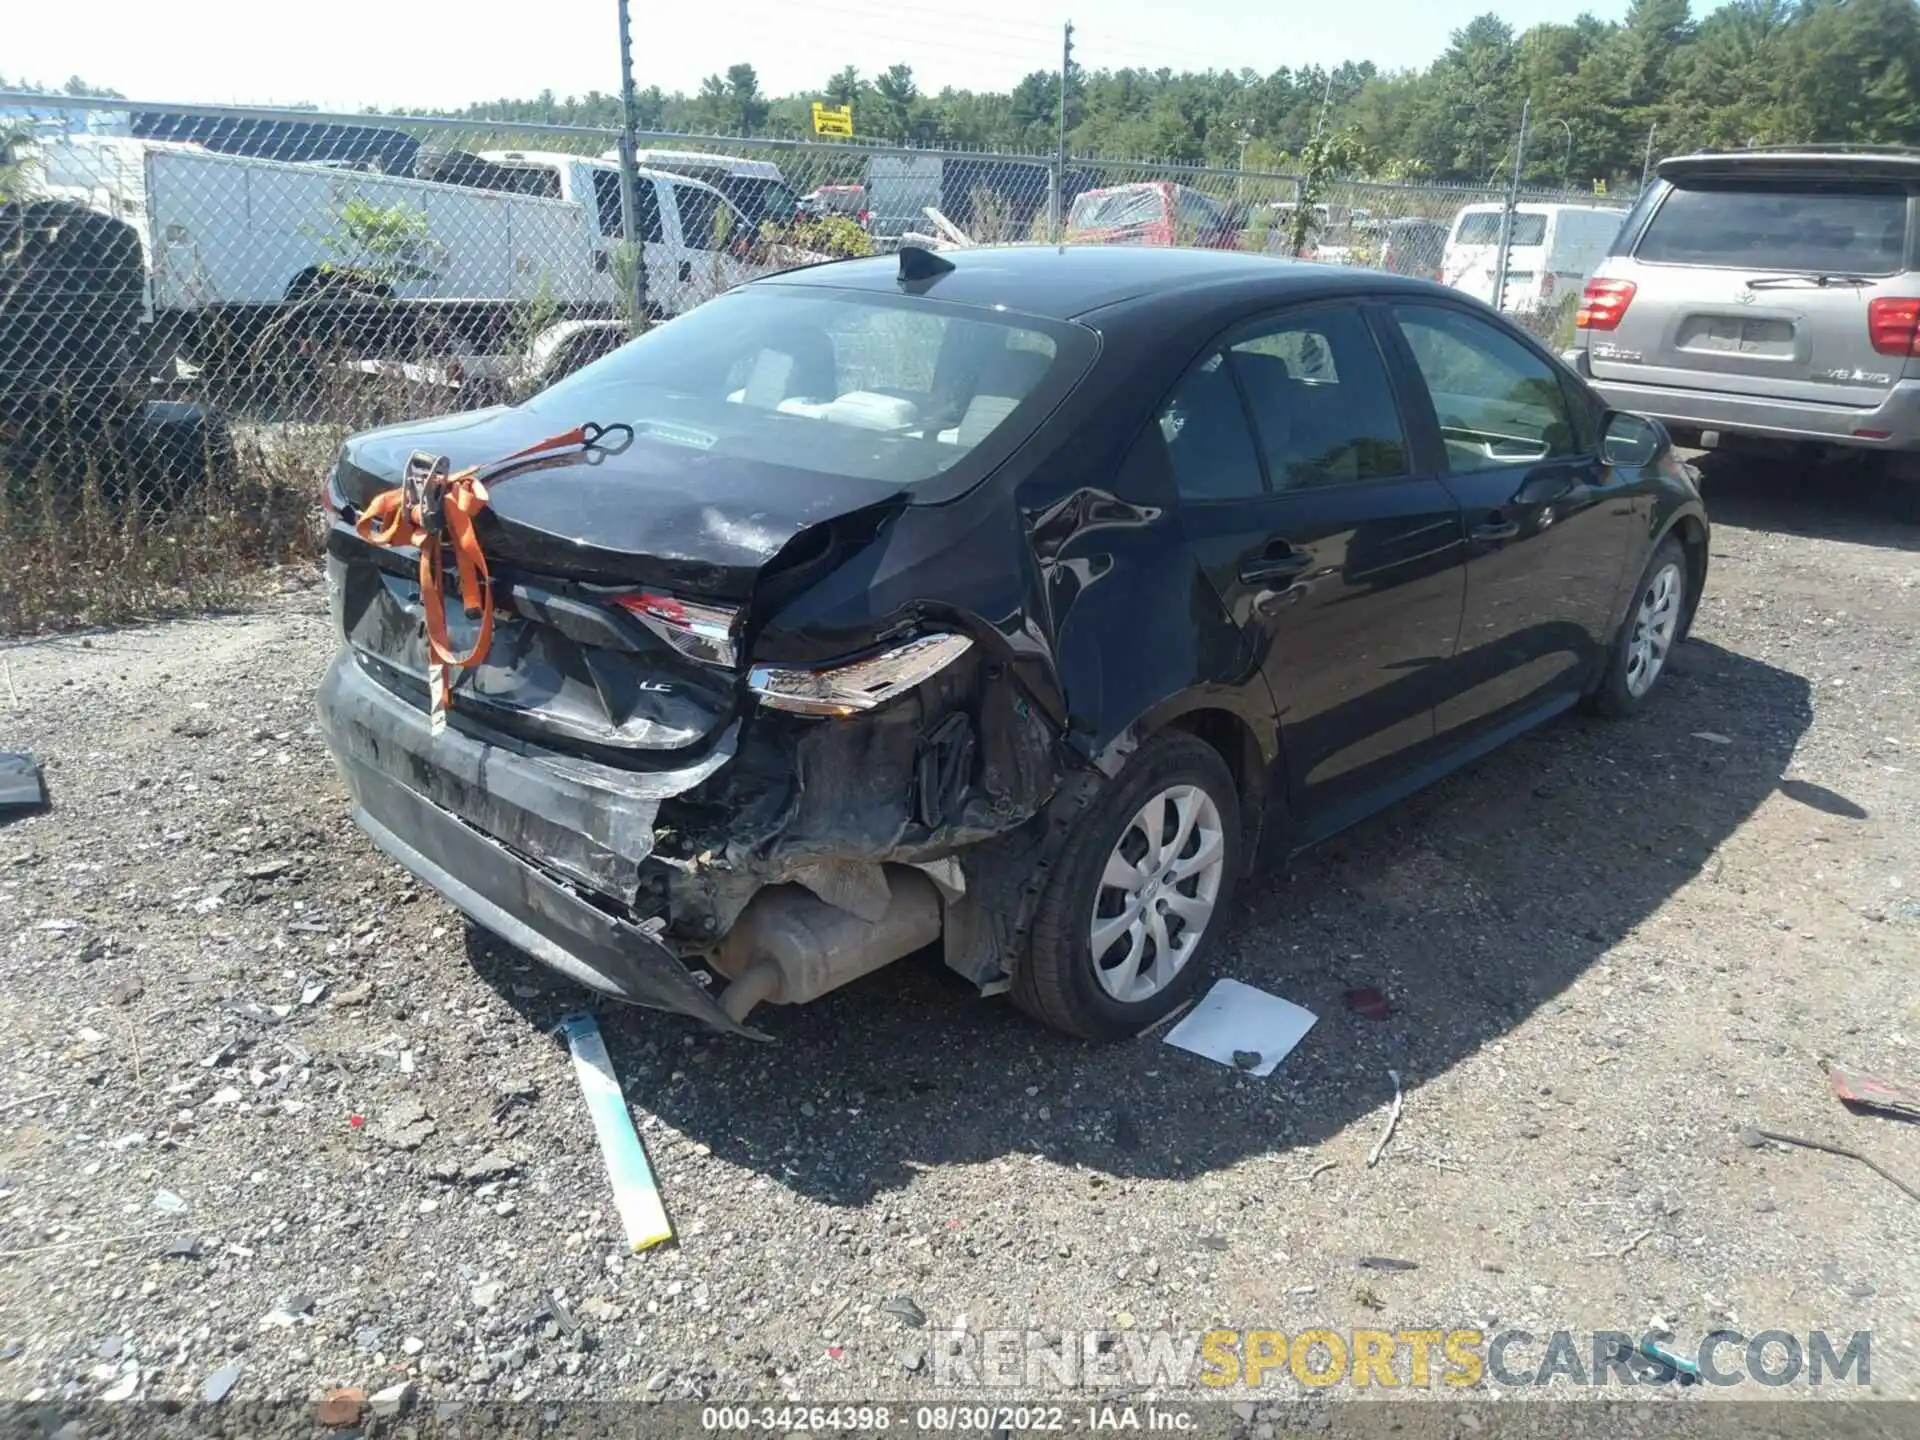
[1768, 333]
[658, 510]
[622, 579]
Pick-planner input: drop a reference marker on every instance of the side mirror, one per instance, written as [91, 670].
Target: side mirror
[1632, 441]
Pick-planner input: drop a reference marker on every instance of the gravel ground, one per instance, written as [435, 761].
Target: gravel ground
[266, 1101]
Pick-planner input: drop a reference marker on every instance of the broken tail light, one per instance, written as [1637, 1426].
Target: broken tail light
[700, 632]
[333, 500]
[1893, 325]
[1603, 304]
[859, 685]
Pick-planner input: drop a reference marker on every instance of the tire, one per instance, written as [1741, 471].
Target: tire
[173, 449]
[1622, 690]
[1059, 981]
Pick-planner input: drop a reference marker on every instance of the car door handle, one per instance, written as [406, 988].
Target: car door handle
[1496, 527]
[1279, 561]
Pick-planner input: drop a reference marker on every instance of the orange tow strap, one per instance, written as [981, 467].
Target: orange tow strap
[435, 511]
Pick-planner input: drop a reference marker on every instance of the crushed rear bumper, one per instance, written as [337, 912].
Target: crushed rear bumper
[461, 813]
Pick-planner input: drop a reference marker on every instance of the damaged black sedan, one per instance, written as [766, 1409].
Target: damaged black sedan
[1012, 601]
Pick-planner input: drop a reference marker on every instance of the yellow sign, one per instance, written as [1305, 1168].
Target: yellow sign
[1599, 187]
[837, 121]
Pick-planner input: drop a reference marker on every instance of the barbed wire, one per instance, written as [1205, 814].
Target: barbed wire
[281, 277]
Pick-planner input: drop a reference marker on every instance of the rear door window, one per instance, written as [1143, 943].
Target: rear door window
[1321, 401]
[606, 194]
[1482, 227]
[1819, 229]
[700, 217]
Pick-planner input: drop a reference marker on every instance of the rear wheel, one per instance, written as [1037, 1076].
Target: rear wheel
[1652, 629]
[1138, 897]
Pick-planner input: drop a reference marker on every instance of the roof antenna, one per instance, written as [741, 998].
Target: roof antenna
[918, 266]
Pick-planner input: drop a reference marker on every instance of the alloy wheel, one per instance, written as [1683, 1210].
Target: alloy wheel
[1157, 893]
[1654, 625]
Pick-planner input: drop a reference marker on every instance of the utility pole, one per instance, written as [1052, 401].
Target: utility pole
[1057, 206]
[1566, 161]
[634, 249]
[1647, 164]
[1513, 200]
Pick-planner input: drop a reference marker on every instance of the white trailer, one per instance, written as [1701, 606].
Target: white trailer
[231, 239]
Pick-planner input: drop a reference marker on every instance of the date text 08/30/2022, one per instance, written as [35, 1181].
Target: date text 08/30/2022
[958, 1418]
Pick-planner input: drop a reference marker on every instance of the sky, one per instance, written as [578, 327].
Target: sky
[346, 54]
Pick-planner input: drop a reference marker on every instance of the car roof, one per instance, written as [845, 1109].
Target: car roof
[1538, 207]
[1065, 282]
[592, 162]
[1886, 162]
[735, 165]
[1134, 185]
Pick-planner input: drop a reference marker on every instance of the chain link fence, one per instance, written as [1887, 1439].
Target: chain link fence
[204, 299]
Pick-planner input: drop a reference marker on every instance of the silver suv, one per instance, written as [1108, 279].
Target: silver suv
[1765, 296]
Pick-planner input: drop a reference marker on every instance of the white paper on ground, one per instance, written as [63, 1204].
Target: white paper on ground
[1234, 1017]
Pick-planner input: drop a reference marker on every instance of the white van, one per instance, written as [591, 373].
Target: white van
[1553, 253]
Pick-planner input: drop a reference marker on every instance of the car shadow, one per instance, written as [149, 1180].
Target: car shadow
[1468, 906]
[1857, 503]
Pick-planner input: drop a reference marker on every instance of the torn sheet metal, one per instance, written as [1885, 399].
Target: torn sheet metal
[1860, 1091]
[636, 1194]
[1240, 1026]
[21, 784]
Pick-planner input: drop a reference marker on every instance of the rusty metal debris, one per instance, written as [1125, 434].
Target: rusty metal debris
[1859, 1091]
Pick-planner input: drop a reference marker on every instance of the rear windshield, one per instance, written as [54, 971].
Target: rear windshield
[1482, 227]
[1848, 229]
[1098, 208]
[839, 382]
[760, 197]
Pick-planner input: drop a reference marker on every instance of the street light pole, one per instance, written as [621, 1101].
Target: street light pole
[1058, 218]
[1566, 163]
[634, 251]
[1512, 206]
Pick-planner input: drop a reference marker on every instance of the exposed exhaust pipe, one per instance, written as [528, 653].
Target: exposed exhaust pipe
[789, 946]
